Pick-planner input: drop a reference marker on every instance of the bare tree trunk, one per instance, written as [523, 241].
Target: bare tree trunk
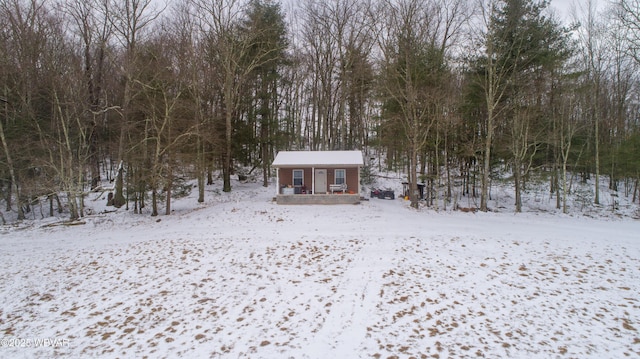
[200, 167]
[484, 194]
[413, 176]
[492, 97]
[265, 129]
[154, 201]
[517, 175]
[169, 184]
[14, 182]
[597, 159]
[118, 198]
[227, 163]
[565, 157]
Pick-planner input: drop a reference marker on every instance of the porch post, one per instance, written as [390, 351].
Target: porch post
[358, 193]
[313, 180]
[277, 181]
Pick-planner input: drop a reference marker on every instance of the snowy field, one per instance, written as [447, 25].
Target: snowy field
[241, 277]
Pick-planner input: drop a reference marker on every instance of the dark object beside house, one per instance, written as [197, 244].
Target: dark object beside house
[406, 189]
[382, 193]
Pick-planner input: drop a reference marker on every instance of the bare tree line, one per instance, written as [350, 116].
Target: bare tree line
[457, 94]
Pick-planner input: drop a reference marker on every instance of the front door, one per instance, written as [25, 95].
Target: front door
[321, 181]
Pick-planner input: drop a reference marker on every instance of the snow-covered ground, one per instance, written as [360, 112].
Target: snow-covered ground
[241, 277]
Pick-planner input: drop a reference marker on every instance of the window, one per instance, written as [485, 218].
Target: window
[341, 177]
[298, 177]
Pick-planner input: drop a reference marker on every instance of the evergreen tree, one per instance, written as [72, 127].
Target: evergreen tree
[411, 81]
[265, 21]
[523, 47]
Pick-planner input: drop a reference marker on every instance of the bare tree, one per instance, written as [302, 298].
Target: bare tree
[192, 65]
[164, 82]
[629, 14]
[24, 37]
[131, 20]
[13, 186]
[231, 52]
[55, 115]
[489, 73]
[92, 26]
[570, 122]
[594, 58]
[320, 53]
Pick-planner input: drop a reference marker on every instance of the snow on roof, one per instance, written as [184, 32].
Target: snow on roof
[318, 158]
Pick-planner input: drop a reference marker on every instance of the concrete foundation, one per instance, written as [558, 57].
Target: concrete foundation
[318, 199]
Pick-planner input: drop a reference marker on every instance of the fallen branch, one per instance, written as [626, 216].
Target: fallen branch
[64, 223]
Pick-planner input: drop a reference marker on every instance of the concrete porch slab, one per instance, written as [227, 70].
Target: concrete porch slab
[318, 199]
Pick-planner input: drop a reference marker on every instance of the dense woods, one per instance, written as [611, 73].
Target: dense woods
[456, 94]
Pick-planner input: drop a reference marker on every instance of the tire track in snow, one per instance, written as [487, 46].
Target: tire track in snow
[344, 329]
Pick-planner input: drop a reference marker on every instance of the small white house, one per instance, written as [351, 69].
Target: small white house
[320, 177]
